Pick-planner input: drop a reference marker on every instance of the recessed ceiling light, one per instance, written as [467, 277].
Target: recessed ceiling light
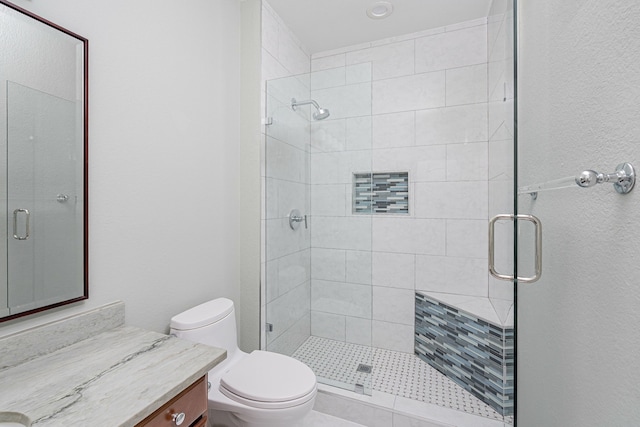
[379, 10]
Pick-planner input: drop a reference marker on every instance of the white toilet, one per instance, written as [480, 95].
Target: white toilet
[260, 389]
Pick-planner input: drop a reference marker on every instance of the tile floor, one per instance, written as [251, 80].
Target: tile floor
[394, 373]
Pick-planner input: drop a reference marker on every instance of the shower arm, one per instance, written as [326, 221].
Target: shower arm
[295, 103]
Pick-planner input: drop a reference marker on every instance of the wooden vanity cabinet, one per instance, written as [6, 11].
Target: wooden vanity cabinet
[187, 409]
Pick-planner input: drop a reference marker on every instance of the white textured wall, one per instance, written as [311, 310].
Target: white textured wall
[163, 147]
[578, 340]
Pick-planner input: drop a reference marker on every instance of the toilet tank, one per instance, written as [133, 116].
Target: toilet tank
[212, 323]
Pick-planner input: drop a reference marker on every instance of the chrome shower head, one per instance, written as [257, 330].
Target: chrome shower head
[320, 114]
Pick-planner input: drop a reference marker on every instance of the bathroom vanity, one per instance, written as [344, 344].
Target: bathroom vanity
[93, 370]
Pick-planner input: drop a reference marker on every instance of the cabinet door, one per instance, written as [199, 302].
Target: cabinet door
[185, 409]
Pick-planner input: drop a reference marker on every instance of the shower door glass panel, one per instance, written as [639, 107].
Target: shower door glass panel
[501, 187]
[318, 275]
[44, 209]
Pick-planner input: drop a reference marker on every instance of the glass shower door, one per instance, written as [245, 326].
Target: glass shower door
[44, 212]
[318, 294]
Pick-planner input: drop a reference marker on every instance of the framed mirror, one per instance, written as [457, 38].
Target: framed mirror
[43, 164]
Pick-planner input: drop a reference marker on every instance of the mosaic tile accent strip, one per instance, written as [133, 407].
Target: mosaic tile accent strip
[400, 374]
[381, 193]
[473, 353]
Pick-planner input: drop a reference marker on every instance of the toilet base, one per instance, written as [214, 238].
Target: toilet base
[228, 419]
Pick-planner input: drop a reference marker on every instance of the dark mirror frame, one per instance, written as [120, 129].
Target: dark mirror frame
[85, 239]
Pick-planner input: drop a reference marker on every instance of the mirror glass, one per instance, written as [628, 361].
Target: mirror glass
[43, 158]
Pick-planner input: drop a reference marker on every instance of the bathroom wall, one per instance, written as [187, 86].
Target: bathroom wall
[427, 115]
[286, 258]
[578, 92]
[163, 150]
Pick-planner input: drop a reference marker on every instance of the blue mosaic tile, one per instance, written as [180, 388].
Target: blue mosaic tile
[381, 193]
[475, 354]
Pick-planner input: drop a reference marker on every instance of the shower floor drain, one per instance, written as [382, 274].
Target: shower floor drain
[364, 368]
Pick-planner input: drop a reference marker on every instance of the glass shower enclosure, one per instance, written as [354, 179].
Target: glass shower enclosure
[318, 241]
[375, 216]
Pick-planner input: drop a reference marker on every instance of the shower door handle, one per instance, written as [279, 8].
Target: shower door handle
[15, 224]
[538, 255]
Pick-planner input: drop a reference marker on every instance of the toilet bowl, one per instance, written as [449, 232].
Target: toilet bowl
[260, 389]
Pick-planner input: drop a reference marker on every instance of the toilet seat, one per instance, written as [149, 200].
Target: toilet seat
[269, 381]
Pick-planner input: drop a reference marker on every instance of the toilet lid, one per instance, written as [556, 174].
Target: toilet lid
[269, 377]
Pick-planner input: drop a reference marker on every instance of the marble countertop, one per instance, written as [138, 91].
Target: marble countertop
[115, 378]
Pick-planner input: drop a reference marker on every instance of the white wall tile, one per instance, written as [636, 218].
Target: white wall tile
[327, 325]
[325, 168]
[501, 160]
[328, 264]
[461, 200]
[425, 163]
[331, 77]
[462, 276]
[330, 200]
[467, 85]
[290, 54]
[415, 92]
[467, 123]
[285, 88]
[345, 101]
[394, 305]
[339, 167]
[286, 162]
[289, 341]
[500, 289]
[282, 240]
[394, 270]
[389, 60]
[393, 336]
[496, 81]
[452, 49]
[341, 298]
[282, 196]
[271, 68]
[409, 235]
[467, 238]
[326, 62]
[291, 127]
[341, 232]
[358, 73]
[328, 135]
[358, 330]
[467, 162]
[287, 310]
[270, 270]
[293, 270]
[358, 135]
[269, 33]
[359, 267]
[394, 130]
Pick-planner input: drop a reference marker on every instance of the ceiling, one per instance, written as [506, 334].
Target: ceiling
[331, 24]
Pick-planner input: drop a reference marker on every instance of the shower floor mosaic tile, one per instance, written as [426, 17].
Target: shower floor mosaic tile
[396, 373]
